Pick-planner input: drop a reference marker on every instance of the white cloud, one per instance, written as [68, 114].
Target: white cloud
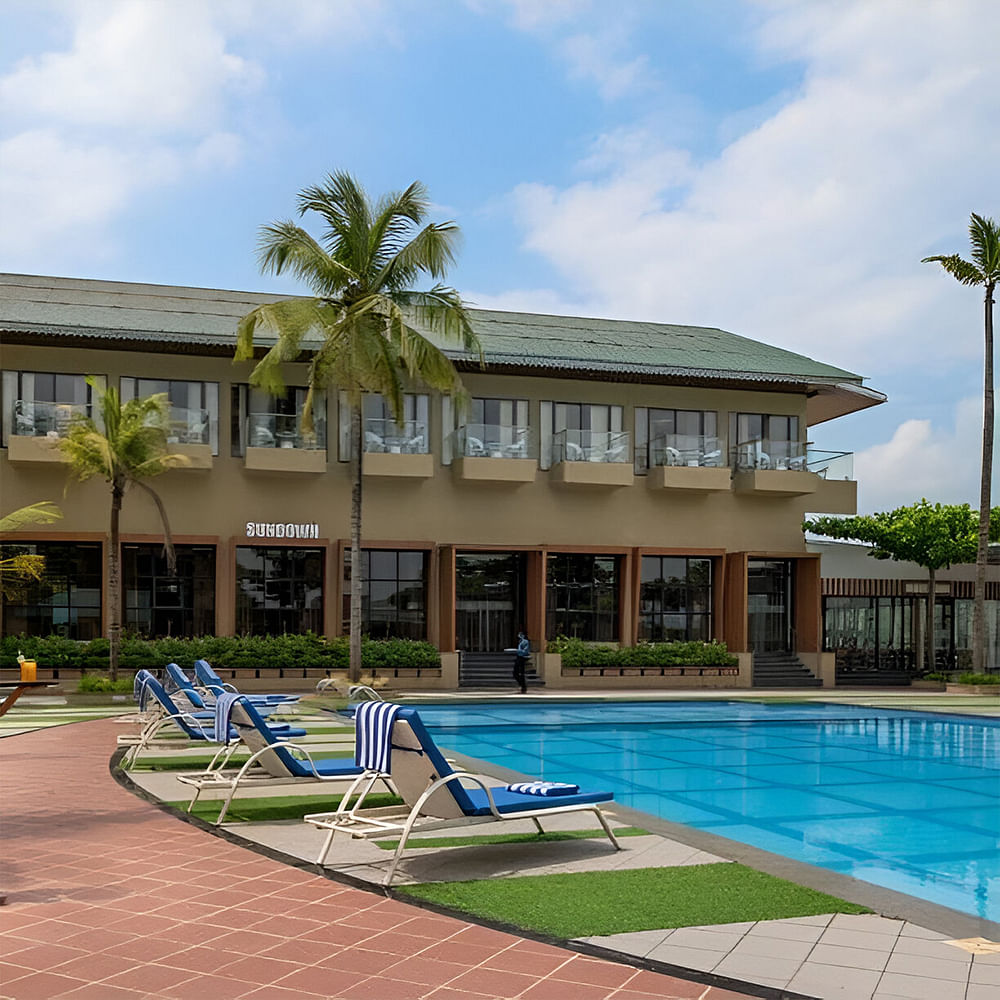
[942, 464]
[807, 230]
[598, 59]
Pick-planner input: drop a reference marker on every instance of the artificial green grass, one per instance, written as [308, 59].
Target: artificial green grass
[194, 762]
[511, 838]
[268, 810]
[585, 904]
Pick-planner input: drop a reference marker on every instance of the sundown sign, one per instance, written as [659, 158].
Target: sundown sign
[256, 529]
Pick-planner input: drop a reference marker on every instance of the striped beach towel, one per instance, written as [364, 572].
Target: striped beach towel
[546, 788]
[373, 722]
[223, 710]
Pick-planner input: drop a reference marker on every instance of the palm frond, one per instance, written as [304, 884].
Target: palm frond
[442, 312]
[984, 236]
[431, 251]
[284, 246]
[44, 512]
[289, 321]
[960, 269]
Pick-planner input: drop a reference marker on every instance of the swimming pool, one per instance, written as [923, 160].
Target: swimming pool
[905, 800]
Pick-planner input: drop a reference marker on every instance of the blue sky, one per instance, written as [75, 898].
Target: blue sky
[776, 168]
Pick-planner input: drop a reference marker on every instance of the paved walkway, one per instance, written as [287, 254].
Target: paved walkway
[108, 898]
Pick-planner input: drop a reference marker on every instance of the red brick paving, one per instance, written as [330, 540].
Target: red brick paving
[108, 897]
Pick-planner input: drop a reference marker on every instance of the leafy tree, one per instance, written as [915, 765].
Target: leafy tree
[934, 536]
[363, 312]
[131, 447]
[983, 269]
[18, 569]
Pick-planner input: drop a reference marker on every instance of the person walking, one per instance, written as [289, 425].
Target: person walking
[521, 661]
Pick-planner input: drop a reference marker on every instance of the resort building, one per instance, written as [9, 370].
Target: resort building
[614, 481]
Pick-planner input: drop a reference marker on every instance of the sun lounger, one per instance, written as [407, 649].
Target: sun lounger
[391, 741]
[273, 760]
[197, 727]
[209, 679]
[204, 699]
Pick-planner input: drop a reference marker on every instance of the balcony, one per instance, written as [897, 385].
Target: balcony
[38, 426]
[276, 442]
[493, 453]
[190, 433]
[687, 462]
[790, 468]
[591, 458]
[397, 450]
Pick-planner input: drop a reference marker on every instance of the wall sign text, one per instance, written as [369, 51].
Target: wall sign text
[257, 529]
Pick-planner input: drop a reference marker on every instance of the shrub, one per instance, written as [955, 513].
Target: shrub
[103, 684]
[246, 652]
[577, 653]
[979, 678]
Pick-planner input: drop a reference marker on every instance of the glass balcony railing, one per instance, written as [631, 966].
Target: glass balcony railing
[40, 418]
[189, 426]
[492, 441]
[590, 446]
[686, 449]
[792, 456]
[283, 430]
[387, 437]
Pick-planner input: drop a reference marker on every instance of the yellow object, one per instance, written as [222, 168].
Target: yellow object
[29, 670]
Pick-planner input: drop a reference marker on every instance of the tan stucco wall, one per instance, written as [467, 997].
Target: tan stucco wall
[441, 509]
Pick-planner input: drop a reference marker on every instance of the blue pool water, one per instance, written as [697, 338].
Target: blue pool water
[906, 800]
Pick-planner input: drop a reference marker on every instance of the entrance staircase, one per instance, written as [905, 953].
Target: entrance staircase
[493, 670]
[782, 670]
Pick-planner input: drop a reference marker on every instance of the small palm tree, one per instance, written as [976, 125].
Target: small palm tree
[365, 313]
[19, 569]
[131, 447]
[983, 269]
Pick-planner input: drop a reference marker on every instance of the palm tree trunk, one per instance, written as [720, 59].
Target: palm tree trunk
[931, 600]
[168, 538]
[354, 670]
[982, 551]
[115, 583]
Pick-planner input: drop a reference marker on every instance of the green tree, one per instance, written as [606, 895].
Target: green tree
[983, 269]
[18, 569]
[934, 536]
[129, 446]
[364, 320]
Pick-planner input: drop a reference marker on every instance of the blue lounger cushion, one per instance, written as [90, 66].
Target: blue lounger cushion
[507, 801]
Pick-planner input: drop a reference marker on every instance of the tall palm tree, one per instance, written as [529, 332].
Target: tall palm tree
[983, 269]
[18, 569]
[131, 447]
[364, 313]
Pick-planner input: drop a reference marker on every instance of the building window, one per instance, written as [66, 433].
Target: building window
[677, 437]
[383, 434]
[278, 590]
[768, 441]
[67, 600]
[260, 420]
[42, 404]
[495, 428]
[393, 593]
[588, 432]
[194, 408]
[582, 597]
[158, 604]
[675, 602]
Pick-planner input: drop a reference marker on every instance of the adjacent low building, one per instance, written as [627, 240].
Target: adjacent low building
[615, 481]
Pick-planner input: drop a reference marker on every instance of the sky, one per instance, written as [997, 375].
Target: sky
[777, 168]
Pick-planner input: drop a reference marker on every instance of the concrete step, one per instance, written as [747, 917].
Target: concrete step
[484, 670]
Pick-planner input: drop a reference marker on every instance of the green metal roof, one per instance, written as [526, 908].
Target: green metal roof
[194, 318]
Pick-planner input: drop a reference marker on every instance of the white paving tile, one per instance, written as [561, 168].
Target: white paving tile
[849, 938]
[929, 968]
[916, 931]
[692, 937]
[976, 991]
[869, 923]
[983, 974]
[786, 930]
[635, 943]
[688, 958]
[774, 947]
[756, 968]
[849, 958]
[925, 947]
[892, 984]
[830, 981]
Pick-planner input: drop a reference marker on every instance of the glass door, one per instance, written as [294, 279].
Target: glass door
[489, 600]
[769, 605]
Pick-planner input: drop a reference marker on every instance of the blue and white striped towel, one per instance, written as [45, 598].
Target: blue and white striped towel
[373, 721]
[223, 710]
[545, 788]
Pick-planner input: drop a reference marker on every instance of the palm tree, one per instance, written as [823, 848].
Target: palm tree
[983, 269]
[364, 314]
[17, 570]
[131, 447]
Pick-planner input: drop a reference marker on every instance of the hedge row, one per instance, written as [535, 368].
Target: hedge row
[577, 653]
[228, 652]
